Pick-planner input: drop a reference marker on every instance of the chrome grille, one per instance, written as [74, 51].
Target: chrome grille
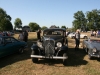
[49, 47]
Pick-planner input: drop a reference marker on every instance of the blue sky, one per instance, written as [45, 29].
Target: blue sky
[47, 12]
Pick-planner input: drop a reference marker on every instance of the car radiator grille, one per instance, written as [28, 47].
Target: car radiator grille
[49, 47]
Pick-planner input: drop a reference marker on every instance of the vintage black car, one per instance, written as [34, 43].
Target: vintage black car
[53, 45]
[92, 47]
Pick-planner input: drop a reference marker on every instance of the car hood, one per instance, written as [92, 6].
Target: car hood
[96, 45]
[23, 43]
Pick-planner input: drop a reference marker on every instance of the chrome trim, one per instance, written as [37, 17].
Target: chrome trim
[54, 57]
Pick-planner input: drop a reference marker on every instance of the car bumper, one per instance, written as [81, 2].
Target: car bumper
[54, 57]
[95, 55]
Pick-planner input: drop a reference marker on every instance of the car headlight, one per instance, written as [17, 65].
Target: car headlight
[59, 44]
[39, 44]
[94, 50]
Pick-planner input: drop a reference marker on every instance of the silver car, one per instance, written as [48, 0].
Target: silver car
[82, 36]
[92, 47]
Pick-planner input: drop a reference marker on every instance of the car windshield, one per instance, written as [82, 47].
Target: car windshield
[53, 33]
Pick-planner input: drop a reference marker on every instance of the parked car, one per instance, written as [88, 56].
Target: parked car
[12, 33]
[82, 36]
[92, 47]
[54, 45]
[9, 45]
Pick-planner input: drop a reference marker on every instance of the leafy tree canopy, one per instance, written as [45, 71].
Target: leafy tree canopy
[34, 26]
[5, 24]
[44, 27]
[87, 21]
[63, 26]
[18, 23]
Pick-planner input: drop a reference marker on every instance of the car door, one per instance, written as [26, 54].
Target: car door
[5, 47]
[2, 48]
[8, 45]
[16, 44]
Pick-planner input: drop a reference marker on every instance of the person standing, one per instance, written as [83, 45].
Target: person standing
[39, 35]
[25, 36]
[1, 33]
[20, 37]
[92, 33]
[77, 39]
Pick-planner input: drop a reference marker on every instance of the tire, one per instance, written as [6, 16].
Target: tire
[21, 50]
[90, 57]
[34, 60]
[65, 60]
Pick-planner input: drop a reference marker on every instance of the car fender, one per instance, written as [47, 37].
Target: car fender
[34, 47]
[64, 48]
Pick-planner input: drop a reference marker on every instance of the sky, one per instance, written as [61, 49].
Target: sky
[47, 12]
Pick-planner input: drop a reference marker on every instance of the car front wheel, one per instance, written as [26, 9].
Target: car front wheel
[21, 50]
[34, 60]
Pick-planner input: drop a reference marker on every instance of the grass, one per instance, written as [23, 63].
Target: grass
[78, 63]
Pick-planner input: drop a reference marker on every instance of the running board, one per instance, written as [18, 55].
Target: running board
[54, 57]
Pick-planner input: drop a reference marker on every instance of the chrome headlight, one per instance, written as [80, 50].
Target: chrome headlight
[59, 44]
[39, 44]
[94, 50]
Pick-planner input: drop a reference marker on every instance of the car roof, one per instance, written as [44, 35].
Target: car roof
[55, 29]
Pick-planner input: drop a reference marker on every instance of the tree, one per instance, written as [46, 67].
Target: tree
[54, 26]
[93, 18]
[5, 19]
[34, 26]
[63, 27]
[18, 23]
[87, 22]
[44, 27]
[80, 20]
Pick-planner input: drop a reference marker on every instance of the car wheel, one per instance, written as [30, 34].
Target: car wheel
[21, 50]
[34, 60]
[65, 60]
[90, 57]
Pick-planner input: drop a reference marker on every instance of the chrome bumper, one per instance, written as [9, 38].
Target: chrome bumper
[54, 57]
[94, 55]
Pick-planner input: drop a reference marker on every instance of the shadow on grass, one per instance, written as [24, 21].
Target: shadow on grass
[76, 58]
[10, 59]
